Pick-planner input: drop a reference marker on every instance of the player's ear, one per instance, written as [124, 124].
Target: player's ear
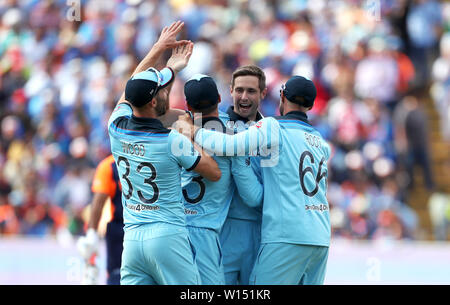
[220, 99]
[263, 93]
[282, 96]
[189, 107]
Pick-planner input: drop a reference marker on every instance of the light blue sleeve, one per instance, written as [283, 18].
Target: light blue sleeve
[224, 117]
[262, 137]
[182, 150]
[186, 177]
[247, 183]
[122, 109]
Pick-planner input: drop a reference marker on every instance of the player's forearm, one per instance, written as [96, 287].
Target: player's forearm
[251, 196]
[96, 210]
[149, 61]
[241, 144]
[207, 167]
[247, 183]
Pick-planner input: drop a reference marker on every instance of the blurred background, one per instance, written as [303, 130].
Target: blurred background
[381, 68]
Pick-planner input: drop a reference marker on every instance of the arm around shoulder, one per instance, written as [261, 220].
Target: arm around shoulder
[207, 167]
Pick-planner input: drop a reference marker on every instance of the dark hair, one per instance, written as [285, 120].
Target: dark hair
[299, 100]
[206, 111]
[250, 70]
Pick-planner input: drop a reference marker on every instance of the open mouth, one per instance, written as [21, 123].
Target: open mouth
[245, 106]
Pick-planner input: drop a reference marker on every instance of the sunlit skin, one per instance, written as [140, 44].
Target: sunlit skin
[247, 96]
[162, 101]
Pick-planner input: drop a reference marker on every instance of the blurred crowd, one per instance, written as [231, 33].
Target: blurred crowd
[64, 65]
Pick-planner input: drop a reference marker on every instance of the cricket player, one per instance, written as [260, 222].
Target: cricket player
[105, 185]
[241, 233]
[295, 233]
[149, 158]
[206, 202]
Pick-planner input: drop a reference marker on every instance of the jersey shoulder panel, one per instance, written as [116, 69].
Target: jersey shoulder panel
[121, 110]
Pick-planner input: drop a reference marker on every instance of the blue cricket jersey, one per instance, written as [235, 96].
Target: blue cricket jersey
[239, 209]
[149, 160]
[294, 167]
[207, 203]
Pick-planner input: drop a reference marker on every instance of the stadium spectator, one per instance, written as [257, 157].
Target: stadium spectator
[424, 26]
[60, 79]
[440, 89]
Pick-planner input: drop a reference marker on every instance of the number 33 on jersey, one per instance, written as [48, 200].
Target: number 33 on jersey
[149, 158]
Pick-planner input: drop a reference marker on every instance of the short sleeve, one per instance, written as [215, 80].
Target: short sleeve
[121, 110]
[183, 151]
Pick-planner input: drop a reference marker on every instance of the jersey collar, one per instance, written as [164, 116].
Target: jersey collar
[209, 119]
[297, 115]
[153, 124]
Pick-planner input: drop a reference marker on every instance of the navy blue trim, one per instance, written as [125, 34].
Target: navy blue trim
[195, 164]
[140, 126]
[154, 136]
[147, 124]
[168, 83]
[294, 115]
[288, 123]
[208, 119]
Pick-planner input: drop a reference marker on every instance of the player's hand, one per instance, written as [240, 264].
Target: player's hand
[88, 245]
[168, 37]
[180, 56]
[185, 126]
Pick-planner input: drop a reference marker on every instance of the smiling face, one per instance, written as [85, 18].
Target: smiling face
[246, 96]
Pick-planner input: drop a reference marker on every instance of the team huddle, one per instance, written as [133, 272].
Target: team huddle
[217, 198]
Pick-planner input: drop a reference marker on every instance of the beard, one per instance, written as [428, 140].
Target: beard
[161, 105]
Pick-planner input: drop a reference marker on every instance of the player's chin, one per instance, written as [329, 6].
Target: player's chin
[246, 111]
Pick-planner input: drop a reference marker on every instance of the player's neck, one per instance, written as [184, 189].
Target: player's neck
[145, 112]
[252, 117]
[198, 115]
[289, 107]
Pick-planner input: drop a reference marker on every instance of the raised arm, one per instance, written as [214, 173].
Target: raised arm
[177, 62]
[167, 40]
